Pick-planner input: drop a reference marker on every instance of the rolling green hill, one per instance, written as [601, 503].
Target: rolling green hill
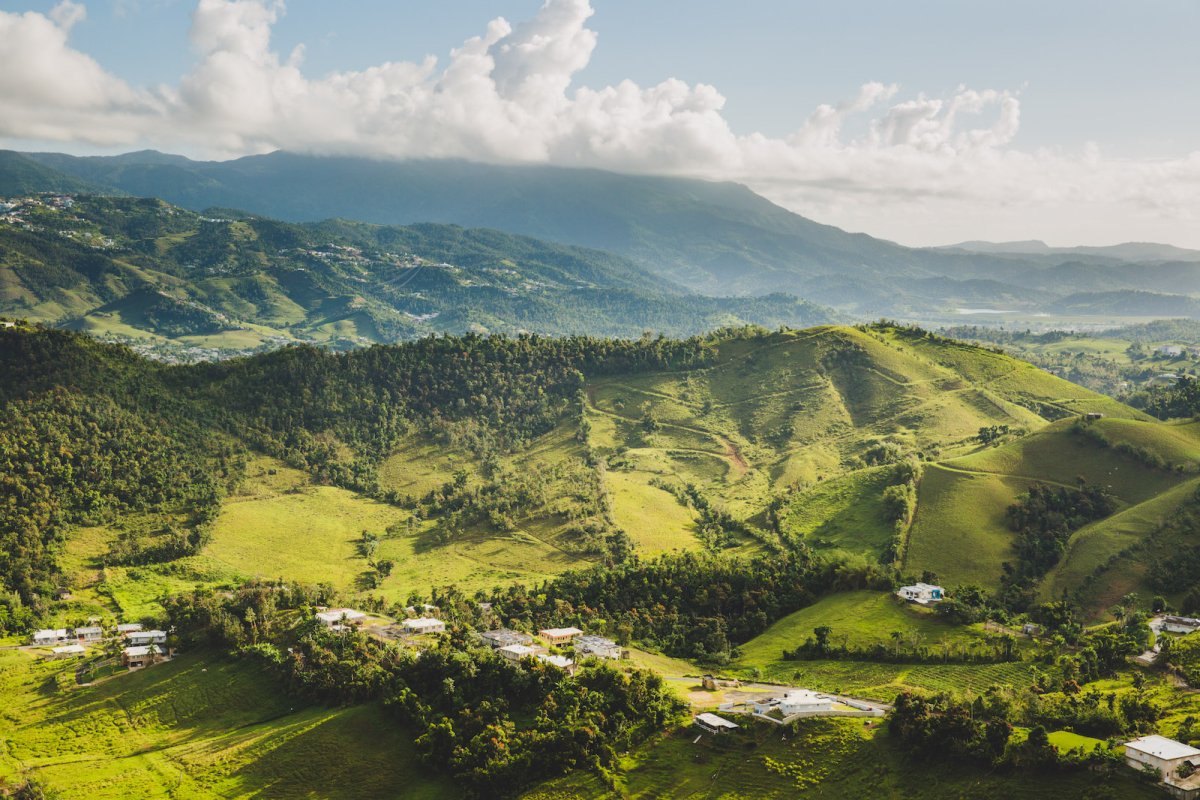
[152, 273]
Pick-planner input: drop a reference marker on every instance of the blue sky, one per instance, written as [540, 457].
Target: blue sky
[1066, 120]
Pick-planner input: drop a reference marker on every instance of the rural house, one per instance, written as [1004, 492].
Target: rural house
[922, 593]
[91, 633]
[140, 656]
[515, 652]
[338, 616]
[503, 637]
[562, 662]
[423, 625]
[597, 646]
[1175, 761]
[558, 636]
[128, 627]
[714, 724]
[797, 701]
[48, 636]
[140, 638]
[68, 651]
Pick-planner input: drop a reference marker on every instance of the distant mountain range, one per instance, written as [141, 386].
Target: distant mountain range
[717, 239]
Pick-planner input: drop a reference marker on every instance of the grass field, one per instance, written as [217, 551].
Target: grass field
[1069, 740]
[960, 532]
[822, 758]
[654, 519]
[859, 619]
[195, 728]
[845, 513]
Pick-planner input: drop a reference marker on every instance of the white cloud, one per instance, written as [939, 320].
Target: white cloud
[927, 168]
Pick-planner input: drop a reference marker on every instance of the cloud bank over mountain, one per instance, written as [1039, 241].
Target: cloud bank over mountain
[919, 168]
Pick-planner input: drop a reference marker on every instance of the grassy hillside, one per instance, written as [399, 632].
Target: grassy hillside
[195, 728]
[821, 759]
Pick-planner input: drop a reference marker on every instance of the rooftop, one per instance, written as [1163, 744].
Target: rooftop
[560, 632]
[713, 721]
[521, 650]
[1162, 747]
[422, 622]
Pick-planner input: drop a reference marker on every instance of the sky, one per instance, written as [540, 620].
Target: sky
[925, 122]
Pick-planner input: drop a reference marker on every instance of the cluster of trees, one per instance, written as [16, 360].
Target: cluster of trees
[980, 730]
[900, 505]
[494, 726]
[1182, 399]
[688, 605]
[1044, 519]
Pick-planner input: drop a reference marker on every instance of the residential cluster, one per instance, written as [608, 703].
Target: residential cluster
[140, 647]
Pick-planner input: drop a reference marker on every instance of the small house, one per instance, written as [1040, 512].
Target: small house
[129, 627]
[1163, 754]
[142, 638]
[922, 593]
[91, 633]
[49, 636]
[423, 625]
[556, 636]
[68, 651]
[140, 656]
[562, 662]
[798, 701]
[503, 637]
[1173, 624]
[1092, 416]
[338, 616]
[1171, 350]
[714, 724]
[597, 646]
[515, 652]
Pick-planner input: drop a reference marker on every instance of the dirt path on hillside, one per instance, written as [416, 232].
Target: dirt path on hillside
[735, 457]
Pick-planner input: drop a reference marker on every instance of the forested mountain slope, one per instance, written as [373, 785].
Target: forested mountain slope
[146, 270]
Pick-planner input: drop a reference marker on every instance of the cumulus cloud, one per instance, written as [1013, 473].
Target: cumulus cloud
[924, 166]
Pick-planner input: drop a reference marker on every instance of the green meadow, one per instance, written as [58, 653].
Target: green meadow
[195, 728]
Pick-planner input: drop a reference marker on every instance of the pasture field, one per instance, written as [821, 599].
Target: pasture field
[195, 728]
[654, 519]
[960, 533]
[858, 619]
[819, 758]
[845, 513]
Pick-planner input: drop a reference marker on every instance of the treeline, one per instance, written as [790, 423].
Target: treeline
[1180, 400]
[494, 726]
[689, 605]
[1044, 519]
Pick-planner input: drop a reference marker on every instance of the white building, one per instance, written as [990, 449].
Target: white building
[797, 701]
[423, 625]
[1169, 350]
[597, 646]
[129, 627]
[140, 638]
[91, 633]
[558, 635]
[714, 724]
[1180, 624]
[338, 616]
[48, 636]
[562, 662]
[923, 593]
[503, 637]
[68, 651]
[1163, 754]
[515, 652]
